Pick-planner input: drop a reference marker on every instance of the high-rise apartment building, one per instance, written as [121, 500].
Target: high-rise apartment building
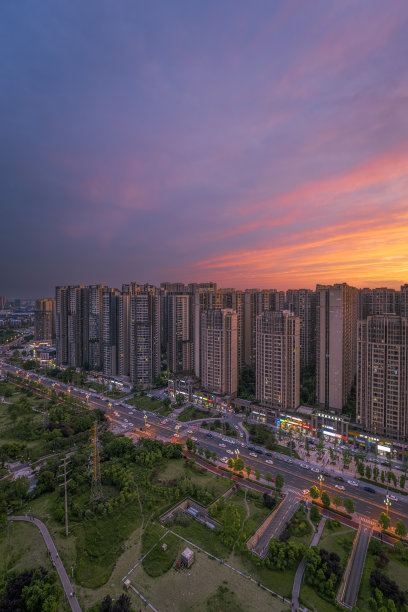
[256, 302]
[278, 360]
[403, 301]
[110, 331]
[44, 320]
[71, 325]
[219, 351]
[94, 326]
[180, 333]
[377, 301]
[336, 315]
[144, 337]
[2, 302]
[382, 375]
[302, 302]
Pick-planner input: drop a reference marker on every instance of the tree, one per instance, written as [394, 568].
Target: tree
[257, 474]
[166, 402]
[320, 446]
[307, 447]
[238, 465]
[325, 499]
[314, 492]
[106, 605]
[122, 604]
[349, 505]
[189, 444]
[402, 481]
[360, 468]
[214, 456]
[200, 450]
[248, 470]
[376, 473]
[346, 457]
[368, 472]
[382, 476]
[279, 482]
[400, 529]
[332, 454]
[315, 514]
[179, 399]
[230, 463]
[207, 453]
[384, 521]
[268, 477]
[336, 500]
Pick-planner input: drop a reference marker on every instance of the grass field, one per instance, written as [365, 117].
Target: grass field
[394, 569]
[313, 602]
[22, 548]
[198, 590]
[192, 413]
[176, 468]
[339, 541]
[254, 512]
[151, 404]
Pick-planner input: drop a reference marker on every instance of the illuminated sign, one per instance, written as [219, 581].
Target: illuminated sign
[383, 448]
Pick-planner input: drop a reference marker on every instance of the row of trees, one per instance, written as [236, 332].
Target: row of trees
[347, 503]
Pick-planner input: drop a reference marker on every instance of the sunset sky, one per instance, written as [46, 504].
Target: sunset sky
[256, 144]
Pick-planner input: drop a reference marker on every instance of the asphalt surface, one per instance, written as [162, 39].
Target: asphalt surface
[297, 583]
[131, 420]
[284, 513]
[358, 560]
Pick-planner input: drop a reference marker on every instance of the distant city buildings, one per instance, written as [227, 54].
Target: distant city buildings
[219, 351]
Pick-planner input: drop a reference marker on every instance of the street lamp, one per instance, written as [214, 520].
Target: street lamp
[237, 453]
[387, 502]
[320, 479]
[145, 417]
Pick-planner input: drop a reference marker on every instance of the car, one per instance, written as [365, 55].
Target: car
[230, 452]
[306, 491]
[190, 431]
[393, 497]
[253, 455]
[326, 474]
[303, 466]
[339, 478]
[126, 421]
[289, 461]
[269, 461]
[315, 469]
[209, 435]
[369, 489]
[353, 483]
[340, 487]
[224, 459]
[222, 445]
[194, 439]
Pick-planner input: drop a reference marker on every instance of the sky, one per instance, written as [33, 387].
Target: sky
[254, 144]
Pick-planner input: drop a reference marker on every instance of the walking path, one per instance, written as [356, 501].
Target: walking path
[302, 566]
[283, 514]
[350, 585]
[73, 602]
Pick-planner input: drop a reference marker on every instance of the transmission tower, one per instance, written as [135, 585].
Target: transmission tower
[95, 465]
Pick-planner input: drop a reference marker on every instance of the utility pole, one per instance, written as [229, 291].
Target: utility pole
[64, 465]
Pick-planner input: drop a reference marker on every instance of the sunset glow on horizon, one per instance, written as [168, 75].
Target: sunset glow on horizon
[254, 146]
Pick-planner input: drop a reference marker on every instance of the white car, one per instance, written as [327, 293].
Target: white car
[314, 469]
[353, 483]
[230, 452]
[221, 445]
[393, 497]
[269, 461]
[304, 466]
[339, 487]
[190, 431]
[224, 459]
[126, 421]
[253, 455]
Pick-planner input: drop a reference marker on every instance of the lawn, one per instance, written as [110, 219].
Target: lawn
[176, 468]
[301, 529]
[339, 541]
[202, 536]
[313, 602]
[206, 586]
[151, 404]
[159, 561]
[192, 413]
[280, 582]
[394, 569]
[254, 510]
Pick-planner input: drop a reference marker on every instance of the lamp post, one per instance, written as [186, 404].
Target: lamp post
[237, 453]
[387, 503]
[320, 479]
[145, 418]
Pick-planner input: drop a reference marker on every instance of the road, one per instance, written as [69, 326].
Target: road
[131, 420]
[67, 586]
[284, 513]
[302, 566]
[357, 566]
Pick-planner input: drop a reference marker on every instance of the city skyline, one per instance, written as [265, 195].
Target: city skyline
[261, 148]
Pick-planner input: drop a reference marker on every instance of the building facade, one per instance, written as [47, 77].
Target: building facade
[278, 360]
[44, 320]
[336, 322]
[219, 351]
[382, 375]
[302, 302]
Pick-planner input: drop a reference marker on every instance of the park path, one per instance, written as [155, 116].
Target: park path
[73, 602]
[302, 566]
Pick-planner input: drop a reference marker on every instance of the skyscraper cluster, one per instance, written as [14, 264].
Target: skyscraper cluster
[344, 333]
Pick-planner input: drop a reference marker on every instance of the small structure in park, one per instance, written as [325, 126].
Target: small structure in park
[187, 557]
[127, 583]
[164, 547]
